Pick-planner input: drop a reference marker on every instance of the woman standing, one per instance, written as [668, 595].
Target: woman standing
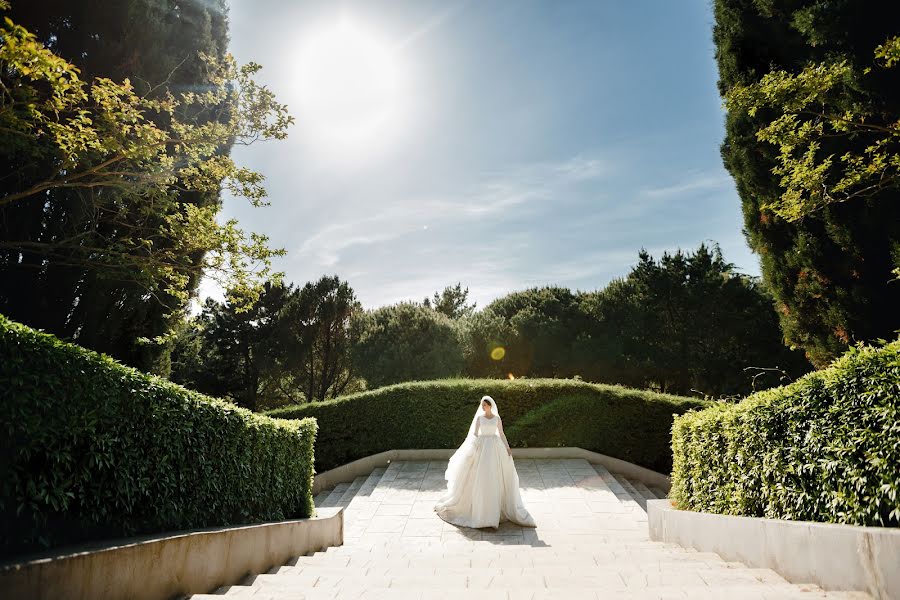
[482, 482]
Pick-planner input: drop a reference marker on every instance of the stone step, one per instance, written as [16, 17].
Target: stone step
[459, 561]
[450, 568]
[643, 490]
[369, 485]
[351, 491]
[627, 500]
[658, 492]
[592, 556]
[361, 486]
[414, 547]
[571, 593]
[591, 542]
[320, 498]
[335, 496]
[605, 581]
[490, 550]
[635, 495]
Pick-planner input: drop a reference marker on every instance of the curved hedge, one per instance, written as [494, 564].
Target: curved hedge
[629, 424]
[94, 449]
[824, 448]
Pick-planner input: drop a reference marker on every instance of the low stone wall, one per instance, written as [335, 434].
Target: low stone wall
[163, 567]
[364, 466]
[835, 557]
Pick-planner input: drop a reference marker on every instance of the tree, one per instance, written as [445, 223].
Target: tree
[316, 331]
[807, 81]
[407, 342]
[292, 345]
[233, 353]
[815, 107]
[453, 302]
[688, 323]
[486, 337]
[546, 321]
[112, 169]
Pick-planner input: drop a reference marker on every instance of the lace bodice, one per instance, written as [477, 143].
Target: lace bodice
[487, 426]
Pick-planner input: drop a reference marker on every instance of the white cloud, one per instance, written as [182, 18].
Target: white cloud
[698, 182]
[499, 193]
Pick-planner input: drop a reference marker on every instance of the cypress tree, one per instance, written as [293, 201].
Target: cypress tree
[831, 272]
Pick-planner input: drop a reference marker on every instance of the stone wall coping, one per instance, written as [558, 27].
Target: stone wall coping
[831, 555]
[363, 466]
[160, 567]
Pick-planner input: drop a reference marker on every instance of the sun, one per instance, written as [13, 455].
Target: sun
[349, 86]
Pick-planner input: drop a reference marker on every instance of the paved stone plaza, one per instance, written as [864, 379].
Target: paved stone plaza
[591, 541]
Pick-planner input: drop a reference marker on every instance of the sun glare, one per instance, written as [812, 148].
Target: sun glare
[349, 86]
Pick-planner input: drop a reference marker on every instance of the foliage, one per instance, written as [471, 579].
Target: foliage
[813, 99]
[684, 324]
[812, 109]
[453, 302]
[688, 323]
[632, 425]
[545, 321]
[824, 448]
[93, 449]
[292, 345]
[406, 342]
[233, 354]
[316, 331]
[112, 169]
[486, 337]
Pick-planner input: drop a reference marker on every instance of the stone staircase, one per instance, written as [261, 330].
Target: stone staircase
[591, 542]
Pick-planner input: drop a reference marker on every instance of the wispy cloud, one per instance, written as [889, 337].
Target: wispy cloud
[581, 168]
[498, 193]
[431, 24]
[698, 182]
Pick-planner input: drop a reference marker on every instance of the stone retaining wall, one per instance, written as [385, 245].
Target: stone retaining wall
[835, 557]
[163, 567]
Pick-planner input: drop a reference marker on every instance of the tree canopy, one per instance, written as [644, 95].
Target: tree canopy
[453, 302]
[116, 122]
[292, 345]
[813, 98]
[407, 342]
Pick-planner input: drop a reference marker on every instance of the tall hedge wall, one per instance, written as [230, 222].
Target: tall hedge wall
[824, 448]
[93, 449]
[629, 424]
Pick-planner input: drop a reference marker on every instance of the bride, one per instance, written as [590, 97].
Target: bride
[482, 482]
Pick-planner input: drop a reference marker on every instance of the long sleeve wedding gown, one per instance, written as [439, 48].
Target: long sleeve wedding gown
[482, 482]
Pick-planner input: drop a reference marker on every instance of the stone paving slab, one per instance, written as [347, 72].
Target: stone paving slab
[591, 541]
[753, 593]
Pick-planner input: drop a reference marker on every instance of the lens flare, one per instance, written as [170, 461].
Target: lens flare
[498, 353]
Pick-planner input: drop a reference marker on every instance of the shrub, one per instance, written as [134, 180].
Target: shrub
[824, 448]
[628, 424]
[95, 449]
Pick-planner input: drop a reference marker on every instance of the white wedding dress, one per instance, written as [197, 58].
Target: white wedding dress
[482, 482]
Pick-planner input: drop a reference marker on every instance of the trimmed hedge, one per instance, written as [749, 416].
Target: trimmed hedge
[629, 424]
[824, 448]
[94, 449]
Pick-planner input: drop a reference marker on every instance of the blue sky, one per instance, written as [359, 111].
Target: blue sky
[531, 143]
